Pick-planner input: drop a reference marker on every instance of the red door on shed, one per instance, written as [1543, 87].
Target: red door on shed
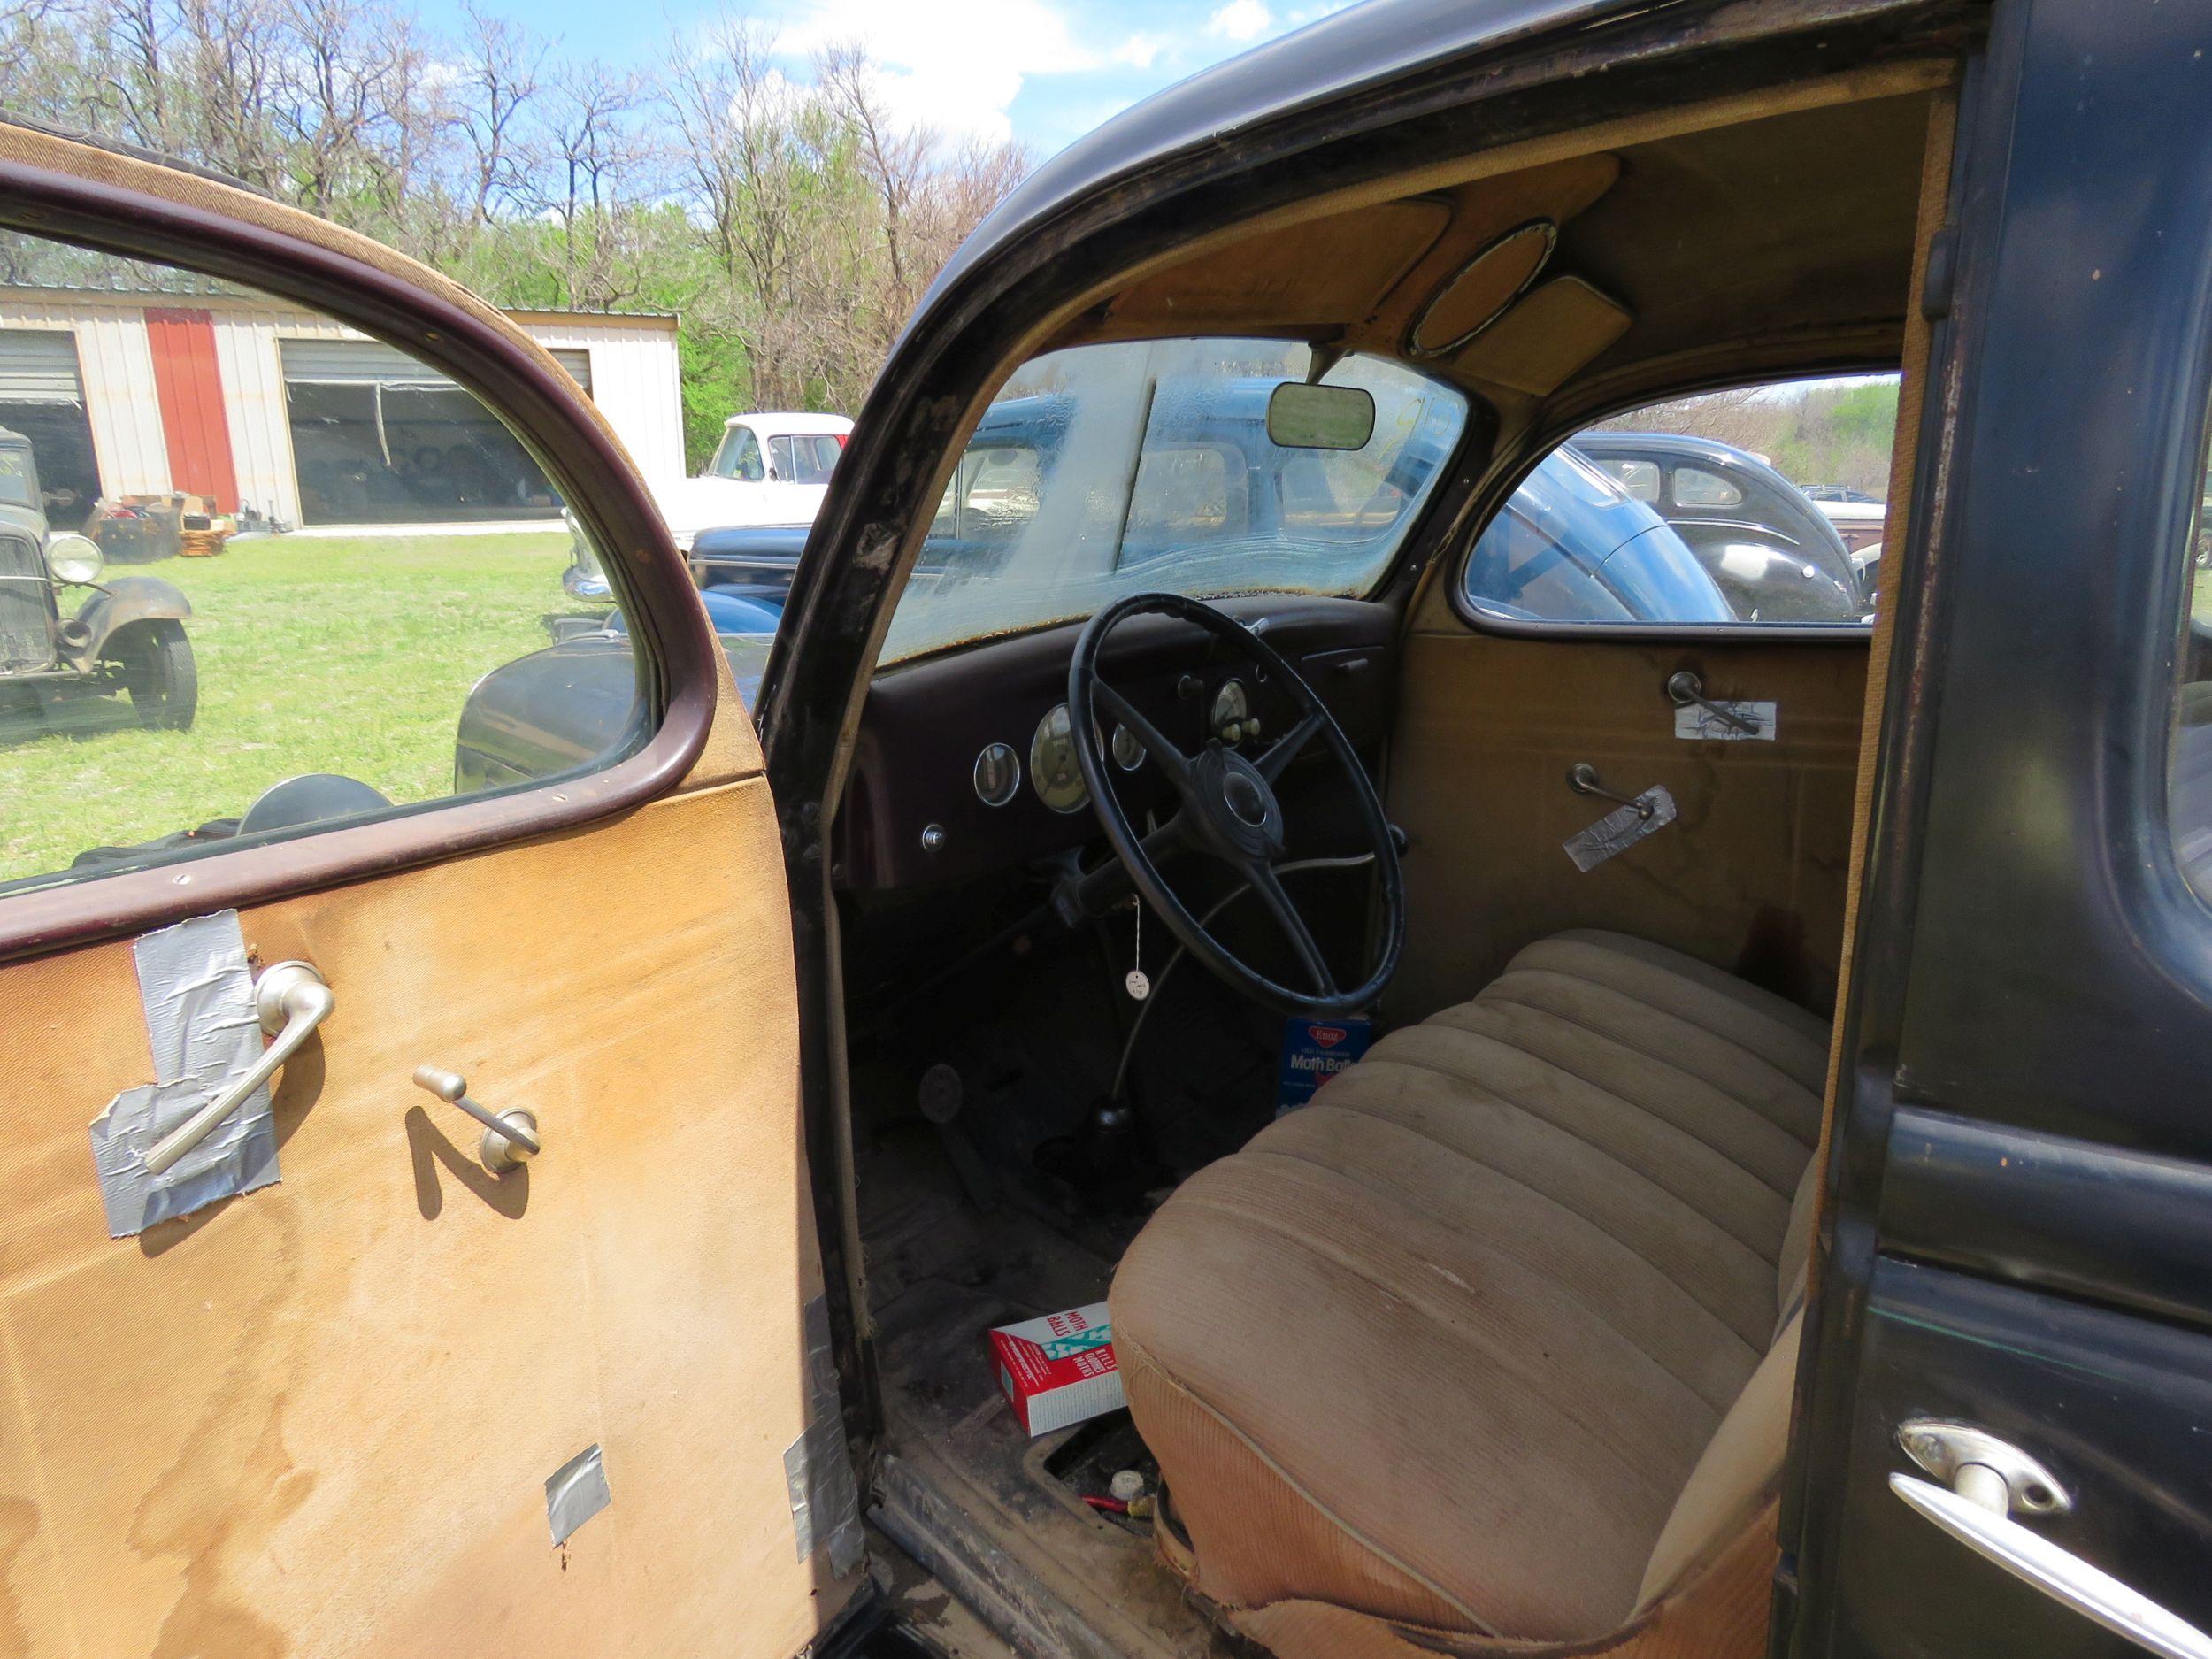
[189, 387]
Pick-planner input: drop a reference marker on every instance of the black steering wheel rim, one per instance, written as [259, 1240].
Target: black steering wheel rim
[1227, 809]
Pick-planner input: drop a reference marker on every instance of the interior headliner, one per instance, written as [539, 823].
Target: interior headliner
[1720, 243]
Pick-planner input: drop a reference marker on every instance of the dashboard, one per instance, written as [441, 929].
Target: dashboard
[965, 764]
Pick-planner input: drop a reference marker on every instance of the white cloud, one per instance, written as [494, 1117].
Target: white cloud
[942, 66]
[1241, 20]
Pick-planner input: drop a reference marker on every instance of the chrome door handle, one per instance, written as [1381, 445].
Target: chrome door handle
[1989, 1480]
[510, 1138]
[292, 1000]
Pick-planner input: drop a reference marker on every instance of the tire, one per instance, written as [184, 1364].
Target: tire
[159, 672]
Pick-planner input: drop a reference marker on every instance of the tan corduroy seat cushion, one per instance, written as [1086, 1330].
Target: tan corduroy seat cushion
[1445, 1345]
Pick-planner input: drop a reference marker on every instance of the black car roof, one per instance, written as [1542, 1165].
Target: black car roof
[1375, 42]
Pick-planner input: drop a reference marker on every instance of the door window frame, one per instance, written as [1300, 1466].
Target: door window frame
[140, 209]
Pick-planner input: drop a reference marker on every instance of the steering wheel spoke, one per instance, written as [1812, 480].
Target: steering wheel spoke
[1286, 747]
[1269, 886]
[1228, 810]
[1170, 760]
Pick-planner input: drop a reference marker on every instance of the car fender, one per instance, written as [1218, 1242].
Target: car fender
[118, 604]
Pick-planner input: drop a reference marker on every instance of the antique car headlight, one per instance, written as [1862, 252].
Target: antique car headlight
[74, 559]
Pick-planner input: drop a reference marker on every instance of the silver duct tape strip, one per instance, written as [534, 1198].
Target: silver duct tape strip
[196, 989]
[824, 1498]
[1621, 828]
[574, 1492]
[1695, 722]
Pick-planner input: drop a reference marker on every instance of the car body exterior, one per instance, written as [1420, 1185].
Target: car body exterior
[1571, 545]
[769, 469]
[127, 639]
[1773, 552]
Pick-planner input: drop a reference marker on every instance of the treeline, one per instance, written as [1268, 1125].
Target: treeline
[1817, 431]
[786, 213]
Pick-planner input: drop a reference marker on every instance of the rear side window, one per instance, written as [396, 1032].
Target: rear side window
[1756, 506]
[261, 575]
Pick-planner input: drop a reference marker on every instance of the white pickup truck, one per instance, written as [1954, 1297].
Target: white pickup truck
[769, 469]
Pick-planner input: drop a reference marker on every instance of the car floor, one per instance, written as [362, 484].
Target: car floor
[996, 1517]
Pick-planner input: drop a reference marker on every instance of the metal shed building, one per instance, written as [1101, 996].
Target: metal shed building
[268, 409]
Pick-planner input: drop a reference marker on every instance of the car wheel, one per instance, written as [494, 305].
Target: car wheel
[159, 673]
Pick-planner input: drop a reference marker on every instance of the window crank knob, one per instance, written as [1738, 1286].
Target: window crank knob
[510, 1138]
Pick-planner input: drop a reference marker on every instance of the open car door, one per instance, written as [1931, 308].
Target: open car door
[331, 1365]
[2002, 1446]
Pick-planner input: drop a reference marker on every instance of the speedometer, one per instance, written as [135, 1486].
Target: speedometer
[1054, 772]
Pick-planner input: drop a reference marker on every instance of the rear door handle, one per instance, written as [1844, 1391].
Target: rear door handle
[1989, 1479]
[292, 1000]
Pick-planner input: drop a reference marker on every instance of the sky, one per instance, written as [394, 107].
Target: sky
[1040, 72]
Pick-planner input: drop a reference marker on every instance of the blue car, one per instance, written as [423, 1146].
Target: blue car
[1571, 545]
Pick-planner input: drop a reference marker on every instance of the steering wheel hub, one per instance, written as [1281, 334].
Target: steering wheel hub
[1237, 803]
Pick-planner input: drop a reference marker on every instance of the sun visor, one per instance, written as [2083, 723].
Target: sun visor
[1555, 329]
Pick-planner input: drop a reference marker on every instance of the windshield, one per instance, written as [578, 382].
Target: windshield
[1136, 466]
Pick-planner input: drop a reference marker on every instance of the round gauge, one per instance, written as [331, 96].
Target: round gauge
[1231, 706]
[1054, 772]
[1128, 753]
[998, 774]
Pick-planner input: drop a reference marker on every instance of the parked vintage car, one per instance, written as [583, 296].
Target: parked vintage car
[769, 469]
[1773, 552]
[1769, 1218]
[125, 640]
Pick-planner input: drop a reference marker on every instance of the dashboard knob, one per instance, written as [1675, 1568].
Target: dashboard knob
[932, 837]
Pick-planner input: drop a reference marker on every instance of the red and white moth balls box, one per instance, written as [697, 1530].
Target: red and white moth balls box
[1060, 1369]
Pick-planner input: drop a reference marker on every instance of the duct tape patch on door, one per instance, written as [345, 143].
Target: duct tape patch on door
[1621, 828]
[824, 1498]
[196, 988]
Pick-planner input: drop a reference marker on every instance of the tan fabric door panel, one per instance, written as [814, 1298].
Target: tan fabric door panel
[318, 1418]
[1750, 876]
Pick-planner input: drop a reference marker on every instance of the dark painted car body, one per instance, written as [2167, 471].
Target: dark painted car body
[1774, 554]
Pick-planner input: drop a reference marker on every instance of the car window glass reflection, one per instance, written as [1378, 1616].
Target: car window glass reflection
[340, 596]
[1755, 505]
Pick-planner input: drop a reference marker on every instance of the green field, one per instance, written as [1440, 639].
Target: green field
[351, 655]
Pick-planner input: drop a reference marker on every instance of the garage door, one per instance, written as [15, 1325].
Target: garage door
[42, 397]
[363, 362]
[39, 366]
[380, 438]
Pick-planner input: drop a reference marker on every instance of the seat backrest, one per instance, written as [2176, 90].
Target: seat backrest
[1741, 1464]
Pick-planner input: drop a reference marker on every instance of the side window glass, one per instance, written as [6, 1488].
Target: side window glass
[1640, 479]
[1774, 517]
[2189, 786]
[1183, 495]
[260, 574]
[1001, 495]
[745, 461]
[1694, 487]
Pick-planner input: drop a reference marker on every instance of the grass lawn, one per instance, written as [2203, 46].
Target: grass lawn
[315, 655]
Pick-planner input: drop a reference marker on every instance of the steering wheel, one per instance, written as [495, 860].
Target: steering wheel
[1229, 810]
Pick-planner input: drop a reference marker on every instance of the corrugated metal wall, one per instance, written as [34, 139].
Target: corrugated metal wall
[633, 381]
[189, 385]
[633, 365]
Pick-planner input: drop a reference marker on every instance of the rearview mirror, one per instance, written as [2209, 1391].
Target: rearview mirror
[1304, 416]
